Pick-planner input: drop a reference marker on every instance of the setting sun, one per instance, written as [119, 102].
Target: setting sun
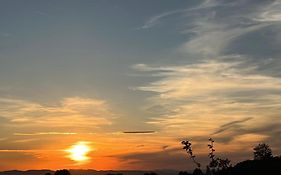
[79, 151]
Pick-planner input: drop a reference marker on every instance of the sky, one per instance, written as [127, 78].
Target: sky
[127, 80]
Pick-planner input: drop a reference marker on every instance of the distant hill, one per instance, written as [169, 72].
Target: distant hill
[89, 172]
[28, 172]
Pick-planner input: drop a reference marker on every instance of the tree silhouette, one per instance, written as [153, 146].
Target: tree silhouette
[187, 147]
[223, 164]
[184, 173]
[213, 162]
[262, 152]
[208, 171]
[62, 172]
[150, 173]
[216, 164]
[197, 171]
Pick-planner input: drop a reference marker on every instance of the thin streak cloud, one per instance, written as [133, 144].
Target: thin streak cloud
[156, 19]
[45, 133]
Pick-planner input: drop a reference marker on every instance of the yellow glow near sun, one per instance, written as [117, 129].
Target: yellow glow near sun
[79, 151]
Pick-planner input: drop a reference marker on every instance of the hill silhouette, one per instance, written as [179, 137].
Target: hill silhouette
[90, 172]
[270, 166]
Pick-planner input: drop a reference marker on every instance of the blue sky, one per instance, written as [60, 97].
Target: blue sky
[108, 66]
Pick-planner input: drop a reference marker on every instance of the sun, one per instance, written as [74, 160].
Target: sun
[79, 151]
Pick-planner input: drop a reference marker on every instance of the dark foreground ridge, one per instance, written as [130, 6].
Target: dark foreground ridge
[258, 167]
[270, 166]
[249, 167]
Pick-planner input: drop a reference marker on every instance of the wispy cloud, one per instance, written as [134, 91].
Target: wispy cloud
[202, 96]
[270, 13]
[45, 133]
[229, 125]
[5, 34]
[215, 24]
[71, 112]
[157, 18]
[183, 12]
[179, 82]
[3, 138]
[25, 140]
[222, 86]
[25, 150]
[157, 159]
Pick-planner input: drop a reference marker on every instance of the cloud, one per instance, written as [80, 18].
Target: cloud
[229, 85]
[42, 13]
[156, 19]
[217, 25]
[20, 151]
[75, 112]
[180, 82]
[156, 160]
[45, 133]
[231, 125]
[202, 96]
[138, 132]
[5, 35]
[3, 138]
[214, 24]
[25, 140]
[270, 13]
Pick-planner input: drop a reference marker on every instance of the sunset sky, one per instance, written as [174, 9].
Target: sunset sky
[126, 80]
